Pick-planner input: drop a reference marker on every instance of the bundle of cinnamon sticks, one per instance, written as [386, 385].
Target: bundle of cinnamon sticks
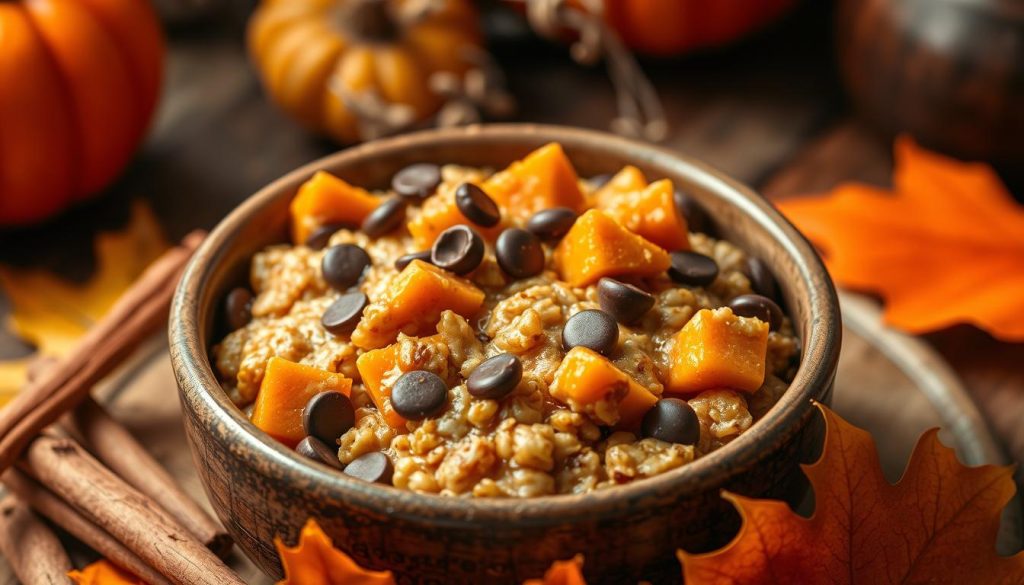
[63, 457]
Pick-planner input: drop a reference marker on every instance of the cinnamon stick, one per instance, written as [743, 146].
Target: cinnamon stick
[138, 313]
[31, 548]
[116, 447]
[101, 497]
[59, 512]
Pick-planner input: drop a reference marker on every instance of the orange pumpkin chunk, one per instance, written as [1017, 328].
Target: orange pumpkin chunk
[286, 388]
[651, 213]
[628, 180]
[588, 382]
[599, 246]
[374, 366]
[543, 179]
[440, 213]
[412, 304]
[717, 349]
[327, 199]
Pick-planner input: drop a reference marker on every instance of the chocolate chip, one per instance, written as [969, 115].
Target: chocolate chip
[315, 449]
[477, 206]
[519, 253]
[388, 216]
[407, 259]
[761, 278]
[344, 313]
[671, 420]
[343, 265]
[418, 394]
[598, 181]
[327, 416]
[760, 307]
[495, 377]
[417, 181]
[238, 308]
[592, 329]
[373, 467]
[692, 269]
[458, 249]
[625, 302]
[551, 224]
[696, 217]
[321, 236]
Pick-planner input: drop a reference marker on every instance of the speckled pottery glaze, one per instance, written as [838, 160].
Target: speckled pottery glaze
[260, 489]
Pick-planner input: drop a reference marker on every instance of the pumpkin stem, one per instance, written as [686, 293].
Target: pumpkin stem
[369, 20]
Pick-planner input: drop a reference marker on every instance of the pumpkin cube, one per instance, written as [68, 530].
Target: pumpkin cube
[413, 303]
[650, 212]
[588, 382]
[543, 179]
[379, 369]
[440, 213]
[628, 180]
[284, 392]
[717, 349]
[326, 199]
[599, 246]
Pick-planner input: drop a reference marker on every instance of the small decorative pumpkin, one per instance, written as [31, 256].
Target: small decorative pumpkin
[659, 27]
[355, 69]
[79, 81]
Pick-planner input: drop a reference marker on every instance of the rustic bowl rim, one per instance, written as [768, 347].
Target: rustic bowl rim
[819, 351]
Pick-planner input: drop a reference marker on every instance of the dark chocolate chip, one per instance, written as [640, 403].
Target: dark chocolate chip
[760, 307]
[551, 224]
[625, 302]
[458, 249]
[598, 181]
[761, 278]
[321, 236]
[671, 420]
[373, 467]
[406, 260]
[315, 449]
[327, 416]
[693, 269]
[388, 217]
[592, 329]
[238, 308]
[417, 181]
[519, 253]
[418, 394]
[343, 265]
[476, 205]
[344, 313]
[696, 217]
[495, 377]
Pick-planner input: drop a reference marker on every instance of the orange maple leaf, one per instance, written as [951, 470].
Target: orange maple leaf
[315, 561]
[103, 572]
[944, 246]
[938, 524]
[562, 573]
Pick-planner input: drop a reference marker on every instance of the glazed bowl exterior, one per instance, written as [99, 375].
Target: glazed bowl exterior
[261, 489]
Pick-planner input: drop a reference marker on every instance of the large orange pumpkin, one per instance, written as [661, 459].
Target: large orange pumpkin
[79, 81]
[316, 57]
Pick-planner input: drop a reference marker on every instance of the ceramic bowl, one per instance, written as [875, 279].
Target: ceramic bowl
[261, 489]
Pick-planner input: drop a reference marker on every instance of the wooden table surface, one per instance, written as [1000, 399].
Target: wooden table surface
[770, 112]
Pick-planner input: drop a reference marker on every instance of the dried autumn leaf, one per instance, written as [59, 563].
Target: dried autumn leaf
[562, 573]
[315, 561]
[938, 524]
[52, 313]
[103, 572]
[945, 246]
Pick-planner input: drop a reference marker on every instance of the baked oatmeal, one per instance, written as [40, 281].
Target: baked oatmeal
[510, 334]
